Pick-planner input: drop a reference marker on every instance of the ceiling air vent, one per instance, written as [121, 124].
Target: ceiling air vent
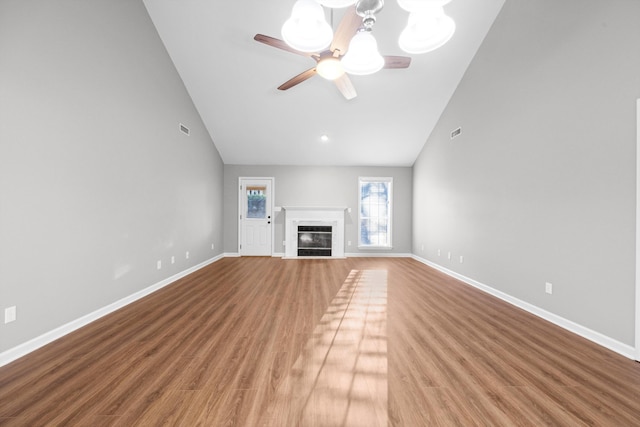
[184, 129]
[456, 132]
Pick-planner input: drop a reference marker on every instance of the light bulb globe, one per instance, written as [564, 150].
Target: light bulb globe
[307, 30]
[363, 57]
[426, 32]
[330, 68]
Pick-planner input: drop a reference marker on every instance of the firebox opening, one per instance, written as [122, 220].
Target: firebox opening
[314, 240]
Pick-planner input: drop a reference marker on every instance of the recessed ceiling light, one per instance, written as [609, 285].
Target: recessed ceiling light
[324, 138]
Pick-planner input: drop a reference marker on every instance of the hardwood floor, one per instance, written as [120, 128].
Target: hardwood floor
[354, 342]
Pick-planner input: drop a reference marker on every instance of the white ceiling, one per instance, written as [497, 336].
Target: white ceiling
[232, 80]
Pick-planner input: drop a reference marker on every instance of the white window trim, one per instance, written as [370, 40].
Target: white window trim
[390, 216]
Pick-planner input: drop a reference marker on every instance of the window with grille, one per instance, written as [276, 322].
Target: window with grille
[374, 212]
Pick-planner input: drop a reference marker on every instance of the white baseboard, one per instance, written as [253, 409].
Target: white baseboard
[377, 254]
[23, 349]
[596, 337]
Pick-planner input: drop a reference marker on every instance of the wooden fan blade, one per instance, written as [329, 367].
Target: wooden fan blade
[347, 28]
[280, 44]
[298, 79]
[396, 61]
[346, 87]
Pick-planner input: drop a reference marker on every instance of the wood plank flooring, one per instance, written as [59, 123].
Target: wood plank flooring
[360, 341]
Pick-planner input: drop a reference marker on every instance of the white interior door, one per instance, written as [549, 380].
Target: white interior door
[256, 211]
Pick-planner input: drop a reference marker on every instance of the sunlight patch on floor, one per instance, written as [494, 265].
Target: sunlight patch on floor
[340, 378]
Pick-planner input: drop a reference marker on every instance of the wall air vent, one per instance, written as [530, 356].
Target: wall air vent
[184, 129]
[456, 132]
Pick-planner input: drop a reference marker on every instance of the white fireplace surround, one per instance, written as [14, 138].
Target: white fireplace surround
[314, 215]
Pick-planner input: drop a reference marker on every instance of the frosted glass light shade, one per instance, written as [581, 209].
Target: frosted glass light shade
[416, 5]
[330, 68]
[363, 57]
[306, 30]
[335, 4]
[426, 31]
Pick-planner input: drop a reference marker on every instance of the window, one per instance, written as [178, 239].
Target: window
[256, 202]
[374, 210]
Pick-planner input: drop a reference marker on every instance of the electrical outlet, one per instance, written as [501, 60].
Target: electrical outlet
[438, 252]
[449, 255]
[461, 259]
[173, 260]
[422, 248]
[159, 264]
[213, 246]
[349, 243]
[10, 314]
[186, 255]
[548, 288]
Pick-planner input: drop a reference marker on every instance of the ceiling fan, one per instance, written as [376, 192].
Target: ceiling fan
[328, 62]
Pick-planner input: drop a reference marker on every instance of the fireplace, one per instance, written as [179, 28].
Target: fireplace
[314, 232]
[314, 240]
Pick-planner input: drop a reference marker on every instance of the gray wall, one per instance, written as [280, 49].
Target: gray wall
[321, 186]
[96, 182]
[540, 186]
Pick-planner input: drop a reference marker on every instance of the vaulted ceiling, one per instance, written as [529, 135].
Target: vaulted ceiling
[233, 82]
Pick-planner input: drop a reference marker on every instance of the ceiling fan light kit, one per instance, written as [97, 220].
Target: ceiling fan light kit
[353, 48]
[428, 27]
[427, 30]
[307, 30]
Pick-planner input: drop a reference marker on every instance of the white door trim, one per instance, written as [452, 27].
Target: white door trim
[271, 205]
[637, 342]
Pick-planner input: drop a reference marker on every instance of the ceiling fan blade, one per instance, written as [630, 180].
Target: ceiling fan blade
[346, 87]
[298, 79]
[396, 61]
[347, 28]
[280, 44]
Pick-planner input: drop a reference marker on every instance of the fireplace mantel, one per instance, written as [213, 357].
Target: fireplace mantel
[314, 215]
[315, 208]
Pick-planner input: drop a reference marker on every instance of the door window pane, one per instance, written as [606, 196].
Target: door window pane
[256, 202]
